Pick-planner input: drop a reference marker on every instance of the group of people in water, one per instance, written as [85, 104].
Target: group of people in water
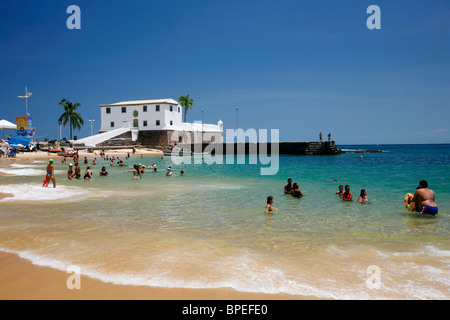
[74, 171]
[422, 200]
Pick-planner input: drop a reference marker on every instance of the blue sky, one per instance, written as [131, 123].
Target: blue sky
[303, 67]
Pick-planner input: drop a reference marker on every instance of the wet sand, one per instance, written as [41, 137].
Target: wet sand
[21, 280]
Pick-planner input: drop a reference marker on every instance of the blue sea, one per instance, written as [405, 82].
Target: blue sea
[208, 228]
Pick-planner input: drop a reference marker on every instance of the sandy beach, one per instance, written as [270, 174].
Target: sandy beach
[21, 280]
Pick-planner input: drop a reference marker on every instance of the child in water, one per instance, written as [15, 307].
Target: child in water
[269, 207]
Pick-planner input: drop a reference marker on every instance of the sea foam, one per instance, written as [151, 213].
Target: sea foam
[32, 192]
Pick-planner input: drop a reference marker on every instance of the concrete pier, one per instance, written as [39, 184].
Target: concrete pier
[286, 148]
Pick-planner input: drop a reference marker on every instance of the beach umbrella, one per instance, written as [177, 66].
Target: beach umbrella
[6, 125]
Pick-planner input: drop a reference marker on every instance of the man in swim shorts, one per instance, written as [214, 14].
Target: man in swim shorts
[424, 199]
[50, 174]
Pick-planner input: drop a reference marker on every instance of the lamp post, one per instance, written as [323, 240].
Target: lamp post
[237, 118]
[26, 96]
[202, 128]
[92, 121]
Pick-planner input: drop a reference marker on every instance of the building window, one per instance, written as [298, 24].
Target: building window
[145, 123]
[179, 109]
[112, 124]
[144, 109]
[157, 122]
[108, 110]
[124, 109]
[157, 108]
[171, 108]
[171, 122]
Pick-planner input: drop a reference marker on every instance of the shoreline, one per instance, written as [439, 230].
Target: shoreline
[20, 279]
[43, 155]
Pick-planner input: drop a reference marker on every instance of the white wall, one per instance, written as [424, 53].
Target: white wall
[164, 115]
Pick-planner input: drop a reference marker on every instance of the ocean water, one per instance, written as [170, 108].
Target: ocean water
[208, 229]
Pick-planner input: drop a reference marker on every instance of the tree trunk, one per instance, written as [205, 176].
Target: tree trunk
[70, 125]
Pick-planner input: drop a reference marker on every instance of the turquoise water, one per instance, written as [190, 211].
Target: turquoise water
[208, 229]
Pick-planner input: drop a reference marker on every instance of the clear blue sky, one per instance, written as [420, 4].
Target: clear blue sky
[300, 66]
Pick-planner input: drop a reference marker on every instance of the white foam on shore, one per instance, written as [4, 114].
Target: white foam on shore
[33, 192]
[245, 274]
[26, 171]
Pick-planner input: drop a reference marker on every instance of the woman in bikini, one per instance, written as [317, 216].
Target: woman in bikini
[347, 195]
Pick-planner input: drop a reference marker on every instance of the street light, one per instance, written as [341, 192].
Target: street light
[202, 128]
[26, 96]
[237, 118]
[92, 121]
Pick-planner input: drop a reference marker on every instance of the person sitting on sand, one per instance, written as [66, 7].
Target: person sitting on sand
[88, 173]
[424, 199]
[296, 191]
[288, 187]
[363, 196]
[340, 191]
[70, 173]
[104, 172]
[347, 195]
[50, 174]
[269, 207]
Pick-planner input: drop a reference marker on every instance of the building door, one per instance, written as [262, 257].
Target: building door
[135, 123]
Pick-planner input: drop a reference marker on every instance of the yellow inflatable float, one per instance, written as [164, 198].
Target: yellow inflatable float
[408, 202]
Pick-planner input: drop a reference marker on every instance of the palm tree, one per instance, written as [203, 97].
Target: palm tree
[187, 103]
[70, 115]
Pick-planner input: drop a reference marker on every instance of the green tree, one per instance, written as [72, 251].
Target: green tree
[187, 103]
[70, 115]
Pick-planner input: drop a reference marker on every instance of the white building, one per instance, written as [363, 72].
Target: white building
[157, 122]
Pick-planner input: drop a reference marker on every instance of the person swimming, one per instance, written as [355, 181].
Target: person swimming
[347, 195]
[363, 196]
[269, 207]
[424, 199]
[288, 187]
[296, 192]
[104, 172]
[88, 173]
[340, 191]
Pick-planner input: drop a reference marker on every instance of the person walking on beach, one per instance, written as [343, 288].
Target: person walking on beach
[288, 187]
[424, 199]
[50, 174]
[269, 207]
[347, 195]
